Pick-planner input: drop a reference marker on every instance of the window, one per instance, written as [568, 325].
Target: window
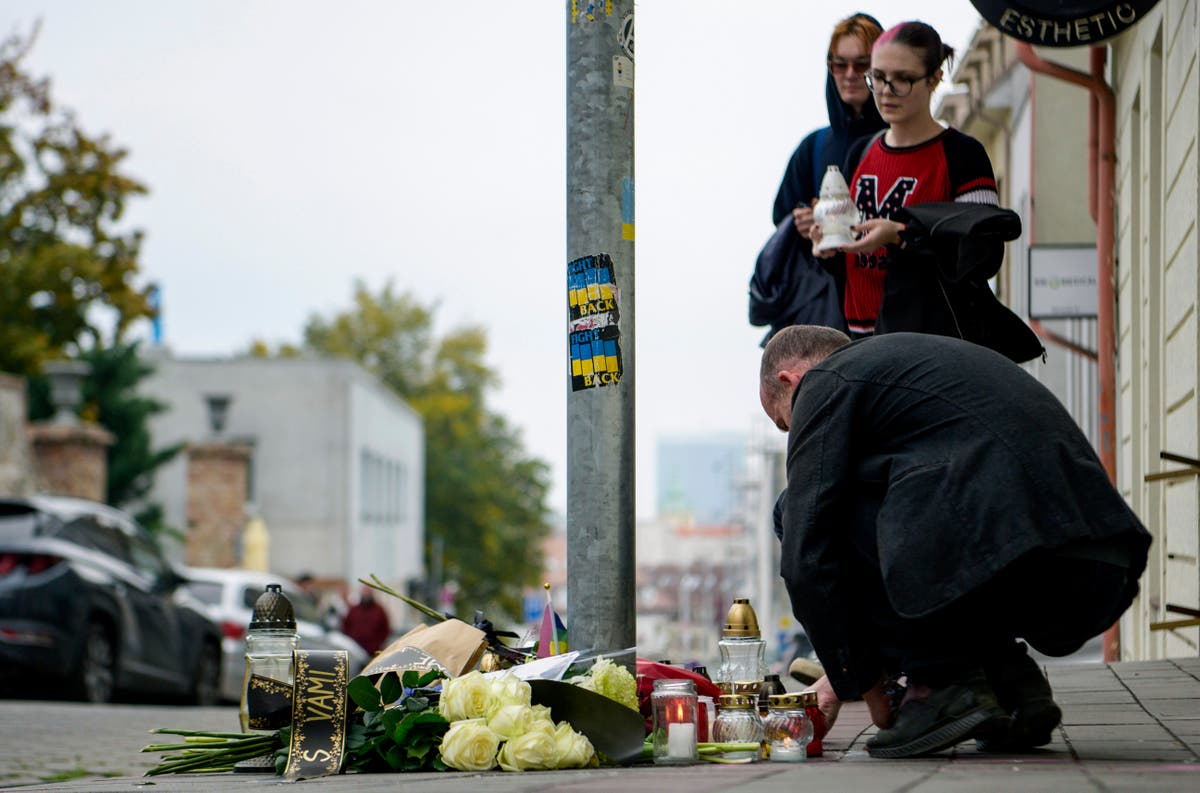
[381, 489]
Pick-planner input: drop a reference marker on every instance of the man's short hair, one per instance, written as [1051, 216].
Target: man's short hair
[810, 343]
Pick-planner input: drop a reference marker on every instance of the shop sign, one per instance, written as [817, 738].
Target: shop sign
[1063, 24]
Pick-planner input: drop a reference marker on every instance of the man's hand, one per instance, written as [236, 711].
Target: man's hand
[827, 701]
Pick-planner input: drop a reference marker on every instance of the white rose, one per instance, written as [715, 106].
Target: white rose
[529, 752]
[508, 689]
[470, 746]
[465, 697]
[512, 721]
[571, 749]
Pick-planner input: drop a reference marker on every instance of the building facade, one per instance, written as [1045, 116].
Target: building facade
[1154, 79]
[337, 462]
[1042, 132]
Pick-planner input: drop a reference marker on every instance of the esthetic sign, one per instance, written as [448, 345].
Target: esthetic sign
[1063, 24]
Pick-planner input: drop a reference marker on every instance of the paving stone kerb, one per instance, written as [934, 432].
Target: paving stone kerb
[1126, 727]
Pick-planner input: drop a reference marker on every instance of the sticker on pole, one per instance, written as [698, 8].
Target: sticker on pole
[594, 331]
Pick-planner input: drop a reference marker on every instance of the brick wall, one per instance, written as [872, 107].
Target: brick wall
[216, 503]
[16, 469]
[70, 460]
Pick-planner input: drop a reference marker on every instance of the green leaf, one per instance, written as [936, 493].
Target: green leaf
[412, 678]
[395, 757]
[438, 765]
[429, 677]
[364, 694]
[391, 717]
[390, 688]
[416, 704]
[413, 720]
[356, 736]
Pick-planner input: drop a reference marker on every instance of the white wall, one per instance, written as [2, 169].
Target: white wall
[308, 419]
[387, 538]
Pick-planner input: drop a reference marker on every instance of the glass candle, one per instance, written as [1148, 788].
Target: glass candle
[705, 717]
[742, 647]
[788, 730]
[673, 703]
[738, 722]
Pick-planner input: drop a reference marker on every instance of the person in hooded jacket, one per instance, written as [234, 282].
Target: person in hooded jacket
[852, 115]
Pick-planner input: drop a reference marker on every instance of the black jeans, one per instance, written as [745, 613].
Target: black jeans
[1053, 599]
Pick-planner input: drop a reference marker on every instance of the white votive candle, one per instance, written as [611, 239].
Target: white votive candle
[788, 753]
[681, 740]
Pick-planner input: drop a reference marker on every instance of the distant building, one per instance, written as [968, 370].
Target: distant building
[337, 465]
[698, 476]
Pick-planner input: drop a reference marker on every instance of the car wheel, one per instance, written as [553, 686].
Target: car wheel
[95, 678]
[206, 686]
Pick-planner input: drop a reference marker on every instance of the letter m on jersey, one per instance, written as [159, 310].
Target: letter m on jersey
[867, 196]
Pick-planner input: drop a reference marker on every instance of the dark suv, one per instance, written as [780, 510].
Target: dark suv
[88, 601]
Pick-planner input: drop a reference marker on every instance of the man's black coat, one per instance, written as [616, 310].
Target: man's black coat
[969, 462]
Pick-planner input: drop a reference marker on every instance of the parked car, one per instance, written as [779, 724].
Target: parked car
[88, 601]
[229, 595]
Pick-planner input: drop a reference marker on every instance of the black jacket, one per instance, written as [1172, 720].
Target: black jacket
[969, 462]
[937, 282]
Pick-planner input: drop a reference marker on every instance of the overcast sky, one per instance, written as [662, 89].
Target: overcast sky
[292, 147]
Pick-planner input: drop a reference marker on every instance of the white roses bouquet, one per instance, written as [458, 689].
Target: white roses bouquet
[492, 722]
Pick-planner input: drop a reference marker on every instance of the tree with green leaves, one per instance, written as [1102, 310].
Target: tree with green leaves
[62, 249]
[484, 497]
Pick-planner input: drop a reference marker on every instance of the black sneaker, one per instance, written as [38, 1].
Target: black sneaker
[964, 709]
[1025, 694]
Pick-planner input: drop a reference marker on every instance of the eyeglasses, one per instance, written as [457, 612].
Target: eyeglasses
[839, 66]
[901, 86]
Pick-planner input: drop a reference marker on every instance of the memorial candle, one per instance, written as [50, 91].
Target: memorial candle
[674, 708]
[681, 740]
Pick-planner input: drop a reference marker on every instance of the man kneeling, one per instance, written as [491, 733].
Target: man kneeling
[941, 504]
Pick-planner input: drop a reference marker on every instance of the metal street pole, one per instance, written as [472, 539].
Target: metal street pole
[600, 391]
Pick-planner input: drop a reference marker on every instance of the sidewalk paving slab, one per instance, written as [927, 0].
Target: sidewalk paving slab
[1126, 727]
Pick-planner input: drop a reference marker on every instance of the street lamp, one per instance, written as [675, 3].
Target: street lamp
[66, 388]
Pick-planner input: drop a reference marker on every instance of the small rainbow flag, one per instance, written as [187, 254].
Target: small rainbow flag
[552, 639]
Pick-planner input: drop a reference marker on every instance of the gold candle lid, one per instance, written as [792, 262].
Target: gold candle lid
[741, 620]
[737, 701]
[801, 699]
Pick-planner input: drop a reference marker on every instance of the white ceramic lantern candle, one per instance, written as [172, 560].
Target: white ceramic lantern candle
[835, 213]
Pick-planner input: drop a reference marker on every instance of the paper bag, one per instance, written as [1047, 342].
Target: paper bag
[453, 647]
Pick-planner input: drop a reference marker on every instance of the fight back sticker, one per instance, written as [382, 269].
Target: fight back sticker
[593, 329]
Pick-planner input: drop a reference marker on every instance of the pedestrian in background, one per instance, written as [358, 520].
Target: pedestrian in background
[790, 286]
[888, 287]
[367, 623]
[852, 115]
